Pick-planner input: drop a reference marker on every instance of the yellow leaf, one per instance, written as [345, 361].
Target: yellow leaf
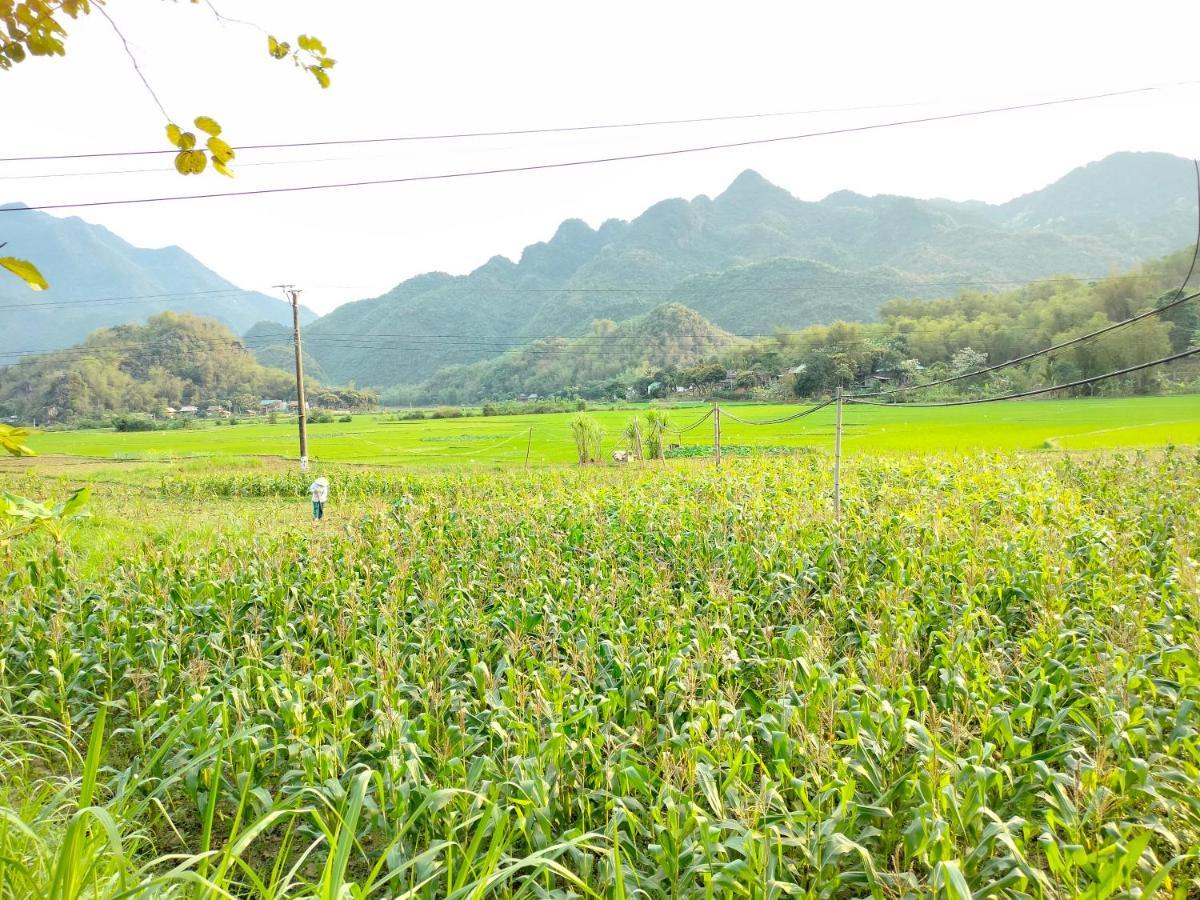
[198, 162]
[26, 271]
[321, 76]
[187, 141]
[182, 165]
[222, 168]
[174, 134]
[277, 49]
[13, 440]
[220, 150]
[208, 126]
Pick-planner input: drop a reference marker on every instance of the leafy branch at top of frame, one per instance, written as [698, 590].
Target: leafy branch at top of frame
[31, 28]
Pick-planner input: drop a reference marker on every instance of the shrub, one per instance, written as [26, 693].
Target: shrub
[589, 438]
[346, 418]
[133, 423]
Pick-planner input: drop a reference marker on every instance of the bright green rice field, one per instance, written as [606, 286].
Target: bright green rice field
[983, 680]
[1065, 424]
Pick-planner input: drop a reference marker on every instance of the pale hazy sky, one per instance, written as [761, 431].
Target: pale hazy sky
[419, 68]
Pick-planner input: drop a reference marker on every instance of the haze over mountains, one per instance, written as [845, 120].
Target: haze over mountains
[750, 260]
[97, 280]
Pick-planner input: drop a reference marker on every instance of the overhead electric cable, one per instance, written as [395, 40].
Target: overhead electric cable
[652, 154]
[461, 135]
[851, 280]
[726, 414]
[1034, 392]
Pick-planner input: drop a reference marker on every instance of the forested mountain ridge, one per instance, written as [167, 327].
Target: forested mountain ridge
[97, 280]
[755, 258]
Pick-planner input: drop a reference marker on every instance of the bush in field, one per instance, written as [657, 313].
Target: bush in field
[133, 423]
[588, 435]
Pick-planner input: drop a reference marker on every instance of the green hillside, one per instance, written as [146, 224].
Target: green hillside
[669, 336]
[172, 360]
[755, 258]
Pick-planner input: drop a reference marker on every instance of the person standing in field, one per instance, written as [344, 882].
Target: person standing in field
[319, 491]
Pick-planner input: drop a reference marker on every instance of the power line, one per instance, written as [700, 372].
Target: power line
[124, 299]
[681, 292]
[1034, 392]
[483, 134]
[726, 414]
[653, 154]
[497, 346]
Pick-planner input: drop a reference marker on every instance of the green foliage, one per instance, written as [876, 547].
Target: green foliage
[133, 423]
[673, 684]
[923, 340]
[633, 436]
[588, 435]
[658, 421]
[172, 360]
[20, 516]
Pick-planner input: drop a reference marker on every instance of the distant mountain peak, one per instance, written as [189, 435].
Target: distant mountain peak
[750, 185]
[15, 205]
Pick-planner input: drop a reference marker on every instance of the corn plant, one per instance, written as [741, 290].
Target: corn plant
[981, 682]
[658, 421]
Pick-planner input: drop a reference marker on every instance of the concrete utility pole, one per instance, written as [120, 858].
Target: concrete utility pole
[292, 293]
[837, 459]
[716, 434]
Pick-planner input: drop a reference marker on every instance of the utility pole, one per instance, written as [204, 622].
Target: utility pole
[837, 459]
[717, 434]
[292, 293]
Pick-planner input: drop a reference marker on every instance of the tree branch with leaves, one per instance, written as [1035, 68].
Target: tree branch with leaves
[33, 28]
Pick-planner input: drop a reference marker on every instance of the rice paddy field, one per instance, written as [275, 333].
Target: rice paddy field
[504, 440]
[661, 682]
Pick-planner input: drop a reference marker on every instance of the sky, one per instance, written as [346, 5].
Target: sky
[449, 67]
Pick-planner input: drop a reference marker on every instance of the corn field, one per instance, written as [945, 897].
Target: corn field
[667, 682]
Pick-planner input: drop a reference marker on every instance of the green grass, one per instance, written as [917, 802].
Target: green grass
[662, 682]
[502, 440]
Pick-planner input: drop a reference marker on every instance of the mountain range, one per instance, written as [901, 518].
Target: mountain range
[97, 280]
[755, 258]
[750, 260]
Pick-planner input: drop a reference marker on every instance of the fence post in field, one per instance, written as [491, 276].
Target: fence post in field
[837, 458]
[717, 434]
